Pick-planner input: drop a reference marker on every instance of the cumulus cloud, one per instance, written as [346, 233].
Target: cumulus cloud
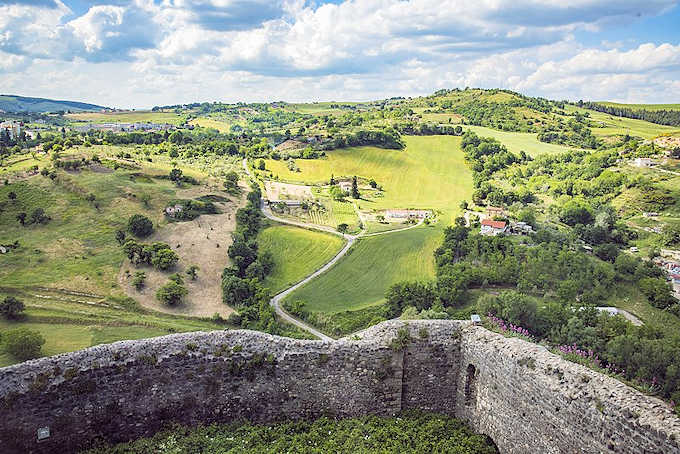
[356, 49]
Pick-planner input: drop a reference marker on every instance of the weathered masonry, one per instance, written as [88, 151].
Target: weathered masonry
[525, 398]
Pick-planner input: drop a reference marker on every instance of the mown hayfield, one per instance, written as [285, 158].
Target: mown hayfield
[297, 253]
[429, 173]
[128, 117]
[361, 278]
[618, 125]
[518, 141]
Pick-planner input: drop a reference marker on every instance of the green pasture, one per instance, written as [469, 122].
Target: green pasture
[613, 125]
[519, 141]
[206, 122]
[297, 253]
[429, 173]
[361, 278]
[642, 106]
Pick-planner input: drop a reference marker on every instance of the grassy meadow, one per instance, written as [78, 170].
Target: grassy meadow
[66, 271]
[519, 141]
[430, 173]
[297, 253]
[361, 278]
[612, 125]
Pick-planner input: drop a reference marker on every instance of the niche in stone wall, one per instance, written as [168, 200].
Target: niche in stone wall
[470, 384]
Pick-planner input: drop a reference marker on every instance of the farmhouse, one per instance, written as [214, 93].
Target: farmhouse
[643, 162]
[407, 214]
[345, 186]
[520, 228]
[493, 228]
[13, 128]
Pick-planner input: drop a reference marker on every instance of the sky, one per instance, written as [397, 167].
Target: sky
[142, 53]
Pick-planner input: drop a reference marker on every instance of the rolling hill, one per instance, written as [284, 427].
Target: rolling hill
[12, 103]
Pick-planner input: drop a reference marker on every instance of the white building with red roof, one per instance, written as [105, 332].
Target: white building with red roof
[493, 228]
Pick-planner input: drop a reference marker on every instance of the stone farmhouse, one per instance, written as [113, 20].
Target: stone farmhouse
[493, 228]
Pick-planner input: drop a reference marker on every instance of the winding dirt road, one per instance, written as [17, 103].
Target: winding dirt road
[351, 239]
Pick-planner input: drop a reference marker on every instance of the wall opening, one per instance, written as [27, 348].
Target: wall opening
[470, 384]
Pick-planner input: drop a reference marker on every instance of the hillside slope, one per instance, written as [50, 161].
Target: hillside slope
[12, 103]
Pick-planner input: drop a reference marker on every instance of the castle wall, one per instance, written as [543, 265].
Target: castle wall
[522, 396]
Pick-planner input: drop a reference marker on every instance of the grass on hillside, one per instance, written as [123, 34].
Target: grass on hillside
[618, 125]
[297, 253]
[205, 122]
[361, 278]
[429, 173]
[651, 107]
[519, 141]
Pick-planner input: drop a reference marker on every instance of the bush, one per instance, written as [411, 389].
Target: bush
[23, 343]
[139, 225]
[11, 308]
[171, 293]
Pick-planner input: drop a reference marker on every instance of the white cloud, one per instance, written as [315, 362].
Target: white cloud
[162, 51]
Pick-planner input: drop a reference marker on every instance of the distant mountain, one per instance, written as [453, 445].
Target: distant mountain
[11, 103]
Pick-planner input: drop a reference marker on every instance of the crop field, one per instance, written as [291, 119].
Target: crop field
[518, 141]
[618, 125]
[128, 117]
[361, 278]
[297, 253]
[429, 173]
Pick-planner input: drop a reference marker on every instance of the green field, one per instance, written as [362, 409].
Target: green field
[297, 253]
[619, 125]
[205, 122]
[361, 278]
[519, 141]
[642, 106]
[429, 173]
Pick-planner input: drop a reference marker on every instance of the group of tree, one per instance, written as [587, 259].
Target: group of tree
[37, 216]
[159, 255]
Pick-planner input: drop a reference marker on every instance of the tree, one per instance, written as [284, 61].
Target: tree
[12, 196]
[11, 308]
[342, 228]
[355, 188]
[38, 216]
[336, 193]
[164, 259]
[671, 234]
[332, 182]
[261, 165]
[176, 176]
[120, 237]
[139, 225]
[171, 293]
[138, 281]
[373, 183]
[23, 343]
[463, 205]
[231, 183]
[21, 217]
[192, 272]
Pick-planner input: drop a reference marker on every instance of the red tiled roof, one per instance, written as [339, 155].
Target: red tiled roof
[494, 224]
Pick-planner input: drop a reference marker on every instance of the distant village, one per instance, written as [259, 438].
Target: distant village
[124, 127]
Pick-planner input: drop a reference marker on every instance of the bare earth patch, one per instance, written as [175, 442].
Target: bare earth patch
[202, 242]
[287, 191]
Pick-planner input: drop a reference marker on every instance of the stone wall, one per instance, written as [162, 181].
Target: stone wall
[525, 398]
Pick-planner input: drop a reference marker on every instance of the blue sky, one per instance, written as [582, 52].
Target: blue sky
[140, 53]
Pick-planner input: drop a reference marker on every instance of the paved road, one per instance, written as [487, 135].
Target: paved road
[351, 239]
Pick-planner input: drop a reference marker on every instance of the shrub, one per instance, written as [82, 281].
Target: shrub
[11, 308]
[23, 343]
[171, 293]
[164, 259]
[138, 281]
[139, 225]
